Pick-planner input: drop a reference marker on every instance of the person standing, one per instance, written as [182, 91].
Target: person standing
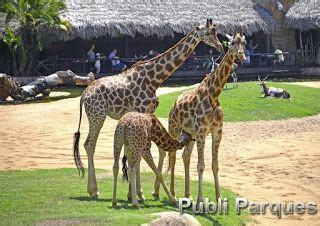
[97, 63]
[91, 58]
[251, 58]
[116, 63]
[252, 47]
[207, 64]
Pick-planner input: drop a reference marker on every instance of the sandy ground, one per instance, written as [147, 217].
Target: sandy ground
[314, 84]
[262, 161]
[165, 90]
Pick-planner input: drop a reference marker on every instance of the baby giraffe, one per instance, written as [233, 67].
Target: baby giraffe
[136, 131]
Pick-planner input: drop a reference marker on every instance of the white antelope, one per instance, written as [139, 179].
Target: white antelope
[272, 91]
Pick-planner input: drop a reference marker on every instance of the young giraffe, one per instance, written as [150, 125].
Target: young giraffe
[199, 113]
[133, 90]
[136, 131]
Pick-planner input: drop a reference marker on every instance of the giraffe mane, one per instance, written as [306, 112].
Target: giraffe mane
[162, 54]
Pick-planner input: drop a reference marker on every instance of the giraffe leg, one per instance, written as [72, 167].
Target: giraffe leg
[216, 139]
[172, 162]
[186, 161]
[95, 126]
[148, 158]
[132, 173]
[162, 155]
[200, 167]
[118, 142]
[138, 176]
[174, 131]
[129, 195]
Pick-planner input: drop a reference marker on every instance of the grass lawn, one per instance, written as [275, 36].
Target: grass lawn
[28, 197]
[245, 103]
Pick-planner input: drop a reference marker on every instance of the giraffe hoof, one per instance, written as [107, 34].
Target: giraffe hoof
[136, 205]
[199, 200]
[94, 195]
[173, 200]
[189, 197]
[114, 204]
[142, 198]
[155, 195]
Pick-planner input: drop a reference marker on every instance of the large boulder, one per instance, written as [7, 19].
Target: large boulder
[175, 219]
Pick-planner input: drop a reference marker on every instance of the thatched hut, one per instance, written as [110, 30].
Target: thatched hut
[304, 16]
[93, 19]
[137, 26]
[134, 25]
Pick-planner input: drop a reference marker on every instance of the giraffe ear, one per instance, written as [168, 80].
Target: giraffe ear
[241, 33]
[208, 23]
[229, 37]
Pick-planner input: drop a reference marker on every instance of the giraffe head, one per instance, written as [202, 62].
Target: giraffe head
[184, 137]
[208, 34]
[237, 45]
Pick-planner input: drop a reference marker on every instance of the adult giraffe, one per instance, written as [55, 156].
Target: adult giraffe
[199, 113]
[133, 90]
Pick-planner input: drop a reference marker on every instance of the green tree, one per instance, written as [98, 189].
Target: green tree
[24, 19]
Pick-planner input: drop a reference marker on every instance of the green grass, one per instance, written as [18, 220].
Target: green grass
[246, 104]
[28, 197]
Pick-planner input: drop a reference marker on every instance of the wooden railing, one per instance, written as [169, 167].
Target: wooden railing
[193, 63]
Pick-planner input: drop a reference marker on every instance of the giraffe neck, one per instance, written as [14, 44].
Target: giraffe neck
[219, 77]
[162, 138]
[159, 68]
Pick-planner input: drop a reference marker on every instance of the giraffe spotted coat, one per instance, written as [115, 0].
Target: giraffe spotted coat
[133, 90]
[199, 113]
[136, 131]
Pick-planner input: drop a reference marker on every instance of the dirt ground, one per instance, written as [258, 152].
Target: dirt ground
[262, 161]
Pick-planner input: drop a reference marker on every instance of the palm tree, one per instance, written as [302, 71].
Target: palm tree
[27, 17]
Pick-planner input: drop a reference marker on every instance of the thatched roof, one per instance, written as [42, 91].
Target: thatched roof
[97, 18]
[304, 15]
[1, 23]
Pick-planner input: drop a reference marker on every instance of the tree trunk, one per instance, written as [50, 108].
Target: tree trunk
[44, 84]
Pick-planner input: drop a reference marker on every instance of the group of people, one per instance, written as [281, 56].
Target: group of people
[277, 58]
[94, 60]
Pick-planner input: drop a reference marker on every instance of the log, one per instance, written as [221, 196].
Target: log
[43, 85]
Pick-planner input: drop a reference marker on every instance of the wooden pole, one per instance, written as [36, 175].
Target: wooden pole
[126, 47]
[301, 46]
[311, 48]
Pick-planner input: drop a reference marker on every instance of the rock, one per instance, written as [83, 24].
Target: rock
[175, 219]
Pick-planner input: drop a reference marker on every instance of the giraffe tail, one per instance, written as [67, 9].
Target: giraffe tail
[76, 139]
[124, 168]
